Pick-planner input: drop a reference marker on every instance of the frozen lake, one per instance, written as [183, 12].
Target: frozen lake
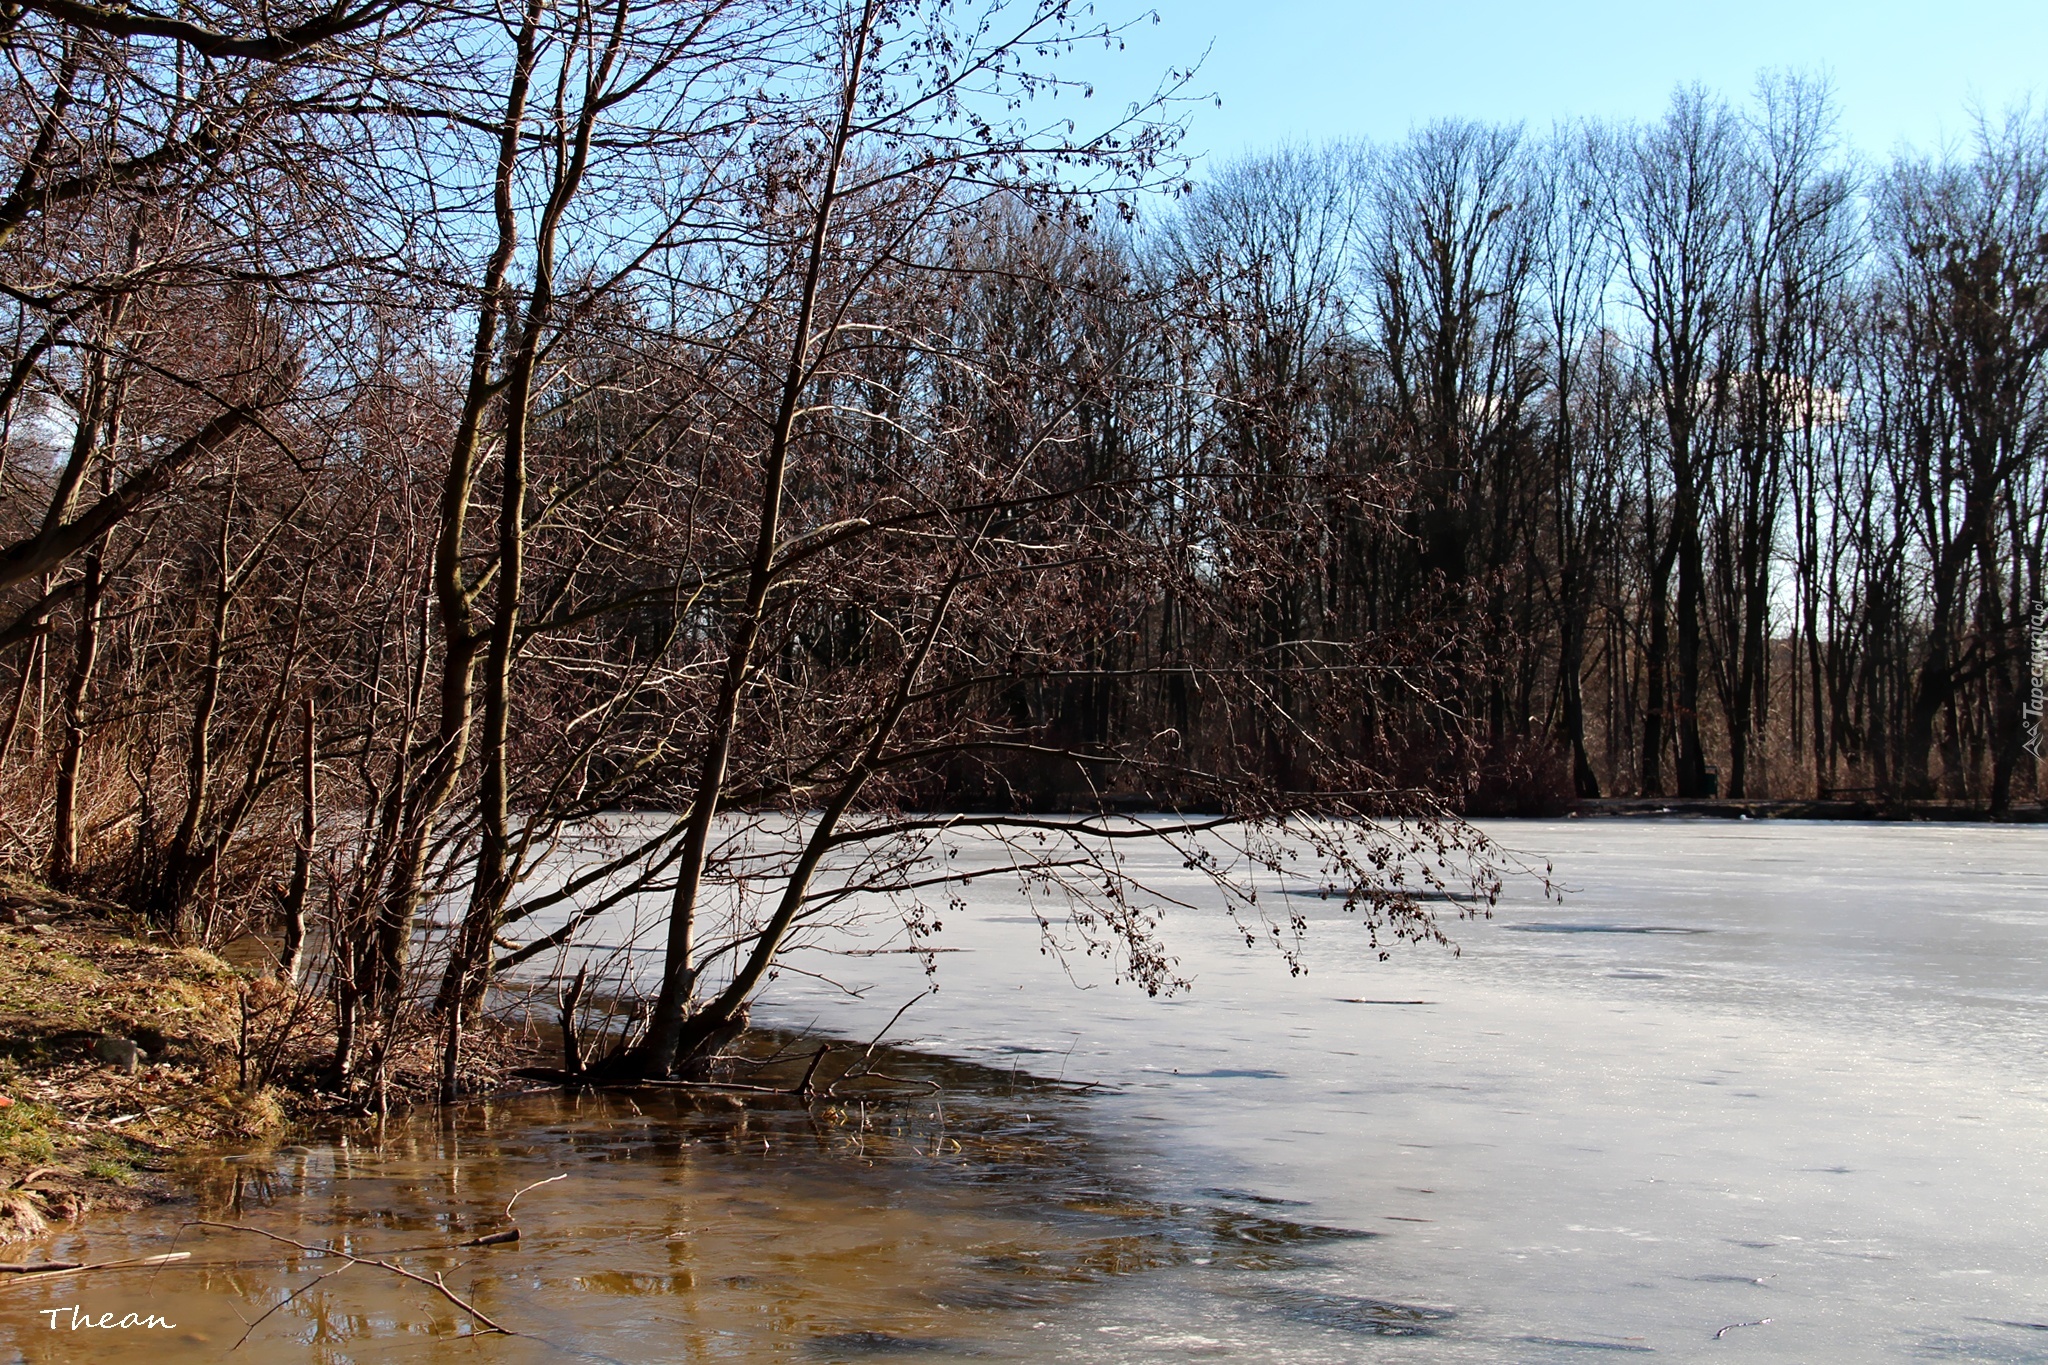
[1786, 1080]
[1746, 1071]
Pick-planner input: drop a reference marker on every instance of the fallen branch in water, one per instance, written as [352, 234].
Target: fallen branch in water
[502, 1237]
[48, 1269]
[560, 1077]
[864, 1066]
[493, 1239]
[287, 1300]
[437, 1283]
[712, 1086]
[1733, 1325]
[908, 1082]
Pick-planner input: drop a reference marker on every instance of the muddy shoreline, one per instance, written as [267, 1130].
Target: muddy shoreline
[927, 1207]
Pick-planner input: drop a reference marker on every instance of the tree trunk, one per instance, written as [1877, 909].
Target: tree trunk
[293, 954]
[666, 1039]
[64, 849]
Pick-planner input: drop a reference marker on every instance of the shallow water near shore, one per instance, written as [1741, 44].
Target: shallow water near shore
[885, 1220]
[1771, 1091]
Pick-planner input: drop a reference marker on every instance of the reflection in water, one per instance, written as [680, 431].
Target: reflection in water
[948, 1215]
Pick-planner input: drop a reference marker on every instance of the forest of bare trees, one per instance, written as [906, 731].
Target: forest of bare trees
[1719, 453]
[427, 430]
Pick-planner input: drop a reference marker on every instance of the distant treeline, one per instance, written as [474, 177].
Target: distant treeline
[1692, 456]
[1671, 459]
[424, 429]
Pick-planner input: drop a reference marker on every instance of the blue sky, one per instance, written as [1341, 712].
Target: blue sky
[1306, 69]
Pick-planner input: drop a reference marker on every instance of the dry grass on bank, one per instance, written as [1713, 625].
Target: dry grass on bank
[81, 1132]
[230, 1057]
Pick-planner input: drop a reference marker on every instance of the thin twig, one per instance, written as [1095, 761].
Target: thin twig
[907, 1081]
[876, 1041]
[534, 1186]
[1733, 1325]
[287, 1299]
[56, 1268]
[861, 1067]
[713, 1086]
[437, 1284]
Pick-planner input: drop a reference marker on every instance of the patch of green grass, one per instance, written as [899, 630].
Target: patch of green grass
[109, 1169]
[197, 962]
[25, 1135]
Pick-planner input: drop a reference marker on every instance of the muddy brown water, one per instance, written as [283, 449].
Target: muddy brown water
[893, 1221]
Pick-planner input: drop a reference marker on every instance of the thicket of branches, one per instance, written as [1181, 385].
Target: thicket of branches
[428, 431]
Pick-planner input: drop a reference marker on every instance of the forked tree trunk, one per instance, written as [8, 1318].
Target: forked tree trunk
[666, 1033]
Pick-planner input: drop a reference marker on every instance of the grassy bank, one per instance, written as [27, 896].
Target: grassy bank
[120, 1052]
[82, 1130]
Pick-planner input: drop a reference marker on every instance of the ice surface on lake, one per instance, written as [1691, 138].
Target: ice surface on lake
[1746, 1071]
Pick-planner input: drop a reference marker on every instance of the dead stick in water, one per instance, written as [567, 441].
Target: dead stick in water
[524, 1188]
[493, 1239]
[437, 1284]
[803, 1087]
[49, 1269]
[316, 1281]
[502, 1237]
[1760, 1322]
[715, 1087]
